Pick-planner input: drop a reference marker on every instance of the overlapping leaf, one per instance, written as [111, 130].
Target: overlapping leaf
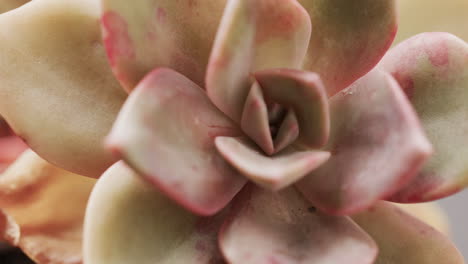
[304, 94]
[166, 131]
[128, 221]
[249, 33]
[402, 238]
[10, 148]
[145, 35]
[32, 194]
[430, 213]
[376, 145]
[9, 229]
[349, 38]
[281, 227]
[272, 172]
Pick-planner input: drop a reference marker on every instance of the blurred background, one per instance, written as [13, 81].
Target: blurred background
[455, 207]
[416, 16]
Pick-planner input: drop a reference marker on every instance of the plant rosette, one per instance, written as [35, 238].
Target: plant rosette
[238, 131]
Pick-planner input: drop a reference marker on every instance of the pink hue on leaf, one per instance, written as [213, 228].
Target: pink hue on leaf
[9, 229]
[419, 188]
[10, 148]
[117, 42]
[275, 172]
[163, 33]
[246, 38]
[437, 65]
[278, 23]
[402, 238]
[116, 39]
[161, 15]
[303, 100]
[128, 221]
[288, 131]
[349, 38]
[406, 83]
[255, 121]
[438, 53]
[166, 131]
[283, 105]
[33, 192]
[281, 227]
[377, 146]
[304, 93]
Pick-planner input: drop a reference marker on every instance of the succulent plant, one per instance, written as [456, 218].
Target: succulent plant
[236, 131]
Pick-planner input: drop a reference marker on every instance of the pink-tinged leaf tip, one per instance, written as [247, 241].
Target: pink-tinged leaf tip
[166, 132]
[377, 146]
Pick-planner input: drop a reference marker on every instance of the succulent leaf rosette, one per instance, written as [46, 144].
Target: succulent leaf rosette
[227, 131]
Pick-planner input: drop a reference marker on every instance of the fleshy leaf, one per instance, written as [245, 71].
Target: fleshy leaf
[430, 213]
[5, 129]
[275, 172]
[32, 193]
[432, 69]
[255, 119]
[349, 38]
[9, 229]
[128, 221]
[288, 131]
[267, 227]
[249, 33]
[57, 92]
[159, 33]
[304, 93]
[401, 238]
[376, 143]
[166, 132]
[10, 148]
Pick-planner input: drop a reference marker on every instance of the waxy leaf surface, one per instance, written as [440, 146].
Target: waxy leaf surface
[9, 229]
[143, 35]
[304, 93]
[281, 227]
[348, 39]
[272, 172]
[254, 35]
[10, 148]
[166, 131]
[128, 221]
[402, 238]
[255, 120]
[376, 145]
